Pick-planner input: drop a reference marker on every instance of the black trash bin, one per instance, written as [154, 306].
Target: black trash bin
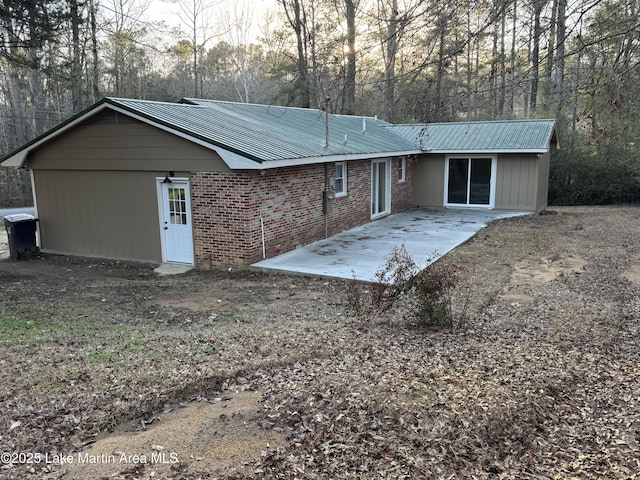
[21, 233]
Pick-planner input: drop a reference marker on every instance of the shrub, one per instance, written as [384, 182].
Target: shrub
[424, 296]
[358, 304]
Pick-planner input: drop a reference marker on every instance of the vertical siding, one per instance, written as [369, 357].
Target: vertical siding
[428, 181]
[516, 182]
[542, 195]
[99, 214]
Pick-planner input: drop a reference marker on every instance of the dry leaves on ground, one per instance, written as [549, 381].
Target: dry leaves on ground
[543, 383]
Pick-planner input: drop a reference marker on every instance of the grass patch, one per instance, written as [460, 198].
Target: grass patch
[42, 331]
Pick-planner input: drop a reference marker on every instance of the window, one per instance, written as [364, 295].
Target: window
[402, 169]
[177, 206]
[470, 181]
[341, 179]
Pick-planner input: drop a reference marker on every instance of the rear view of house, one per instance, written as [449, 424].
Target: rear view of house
[217, 184]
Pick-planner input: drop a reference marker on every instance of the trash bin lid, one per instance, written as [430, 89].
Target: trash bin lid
[19, 217]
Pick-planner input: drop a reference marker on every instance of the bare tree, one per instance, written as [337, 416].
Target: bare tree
[195, 18]
[296, 16]
[237, 23]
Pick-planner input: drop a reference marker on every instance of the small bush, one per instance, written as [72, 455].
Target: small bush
[423, 295]
[358, 304]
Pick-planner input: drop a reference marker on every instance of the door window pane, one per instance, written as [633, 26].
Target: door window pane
[177, 206]
[458, 176]
[382, 187]
[479, 191]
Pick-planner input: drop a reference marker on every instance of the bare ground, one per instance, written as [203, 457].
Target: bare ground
[125, 374]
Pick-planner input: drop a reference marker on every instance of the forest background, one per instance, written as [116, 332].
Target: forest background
[403, 60]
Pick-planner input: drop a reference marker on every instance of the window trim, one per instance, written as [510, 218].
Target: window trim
[343, 193]
[492, 182]
[402, 170]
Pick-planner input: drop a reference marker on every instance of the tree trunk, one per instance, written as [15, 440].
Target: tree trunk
[559, 59]
[35, 77]
[76, 66]
[350, 77]
[513, 57]
[294, 10]
[502, 92]
[390, 65]
[493, 75]
[17, 109]
[535, 54]
[470, 97]
[95, 68]
[437, 115]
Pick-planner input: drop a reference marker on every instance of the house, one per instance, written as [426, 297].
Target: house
[218, 184]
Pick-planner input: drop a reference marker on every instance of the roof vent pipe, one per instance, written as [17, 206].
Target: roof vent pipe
[364, 125]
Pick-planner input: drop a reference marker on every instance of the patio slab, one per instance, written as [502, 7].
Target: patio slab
[358, 253]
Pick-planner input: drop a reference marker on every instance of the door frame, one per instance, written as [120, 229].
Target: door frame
[182, 181]
[374, 187]
[492, 181]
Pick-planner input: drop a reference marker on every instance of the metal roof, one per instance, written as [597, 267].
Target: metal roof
[250, 136]
[517, 136]
[268, 133]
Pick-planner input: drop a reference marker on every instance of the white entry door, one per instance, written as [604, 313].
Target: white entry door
[175, 222]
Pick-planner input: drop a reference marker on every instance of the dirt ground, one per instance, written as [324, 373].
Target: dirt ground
[109, 371]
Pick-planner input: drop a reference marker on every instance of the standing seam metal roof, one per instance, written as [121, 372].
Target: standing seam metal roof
[266, 133]
[497, 136]
[261, 133]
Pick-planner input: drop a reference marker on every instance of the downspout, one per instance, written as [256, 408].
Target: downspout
[264, 248]
[325, 191]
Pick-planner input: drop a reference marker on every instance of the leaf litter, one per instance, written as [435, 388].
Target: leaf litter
[546, 387]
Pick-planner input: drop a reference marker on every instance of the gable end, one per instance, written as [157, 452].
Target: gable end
[111, 117]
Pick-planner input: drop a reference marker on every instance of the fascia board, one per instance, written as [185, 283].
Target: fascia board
[311, 160]
[485, 152]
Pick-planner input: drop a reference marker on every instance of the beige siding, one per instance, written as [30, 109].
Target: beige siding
[133, 146]
[99, 213]
[516, 182]
[543, 181]
[521, 181]
[428, 181]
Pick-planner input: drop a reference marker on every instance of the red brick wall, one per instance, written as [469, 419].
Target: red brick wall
[228, 206]
[401, 192]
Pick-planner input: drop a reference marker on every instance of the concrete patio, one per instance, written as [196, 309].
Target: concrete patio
[360, 252]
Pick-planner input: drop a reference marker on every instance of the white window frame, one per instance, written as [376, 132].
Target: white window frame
[402, 170]
[492, 184]
[344, 179]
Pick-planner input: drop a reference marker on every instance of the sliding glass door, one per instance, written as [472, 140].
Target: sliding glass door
[380, 187]
[470, 181]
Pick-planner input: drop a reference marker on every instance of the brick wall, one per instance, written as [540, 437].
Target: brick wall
[401, 192]
[231, 208]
